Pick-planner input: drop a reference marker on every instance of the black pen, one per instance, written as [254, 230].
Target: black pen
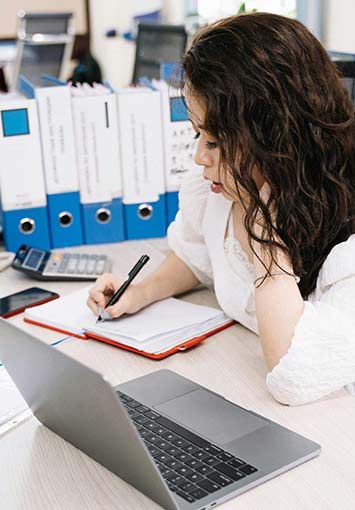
[131, 275]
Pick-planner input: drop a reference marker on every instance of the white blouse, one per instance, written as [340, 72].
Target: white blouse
[321, 358]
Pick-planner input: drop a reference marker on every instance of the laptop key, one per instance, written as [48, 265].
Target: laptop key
[133, 404]
[201, 455]
[225, 456]
[164, 445]
[181, 431]
[204, 470]
[194, 463]
[208, 485]
[172, 450]
[133, 413]
[194, 477]
[211, 461]
[229, 471]
[172, 487]
[152, 438]
[188, 486]
[140, 419]
[190, 448]
[142, 409]
[213, 450]
[153, 450]
[170, 436]
[176, 479]
[185, 457]
[151, 414]
[174, 464]
[157, 429]
[178, 441]
[150, 424]
[198, 493]
[163, 457]
[186, 496]
[248, 469]
[220, 479]
[184, 471]
[124, 397]
[236, 463]
[144, 432]
[166, 472]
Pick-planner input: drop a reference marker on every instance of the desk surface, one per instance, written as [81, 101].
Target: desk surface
[39, 470]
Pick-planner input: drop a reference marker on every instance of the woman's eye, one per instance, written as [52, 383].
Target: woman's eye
[197, 135]
[211, 145]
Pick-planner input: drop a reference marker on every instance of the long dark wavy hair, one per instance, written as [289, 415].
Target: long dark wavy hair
[274, 101]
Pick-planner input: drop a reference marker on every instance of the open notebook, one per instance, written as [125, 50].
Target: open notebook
[156, 331]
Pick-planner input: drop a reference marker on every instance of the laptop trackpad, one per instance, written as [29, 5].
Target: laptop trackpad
[211, 416]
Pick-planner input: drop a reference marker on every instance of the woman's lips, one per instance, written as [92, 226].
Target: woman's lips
[216, 187]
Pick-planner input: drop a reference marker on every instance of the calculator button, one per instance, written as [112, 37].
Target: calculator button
[54, 262]
[91, 264]
[63, 265]
[100, 266]
[82, 264]
[72, 264]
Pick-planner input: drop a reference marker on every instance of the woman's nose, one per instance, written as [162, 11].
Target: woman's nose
[202, 156]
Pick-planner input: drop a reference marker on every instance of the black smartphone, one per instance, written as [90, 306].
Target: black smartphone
[16, 303]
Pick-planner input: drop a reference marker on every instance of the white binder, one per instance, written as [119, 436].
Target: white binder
[142, 162]
[23, 196]
[96, 136]
[60, 166]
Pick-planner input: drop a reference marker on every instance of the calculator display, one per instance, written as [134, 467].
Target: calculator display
[33, 259]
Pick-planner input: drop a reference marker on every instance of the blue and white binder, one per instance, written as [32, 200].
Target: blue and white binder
[179, 146]
[23, 196]
[96, 135]
[60, 166]
[142, 162]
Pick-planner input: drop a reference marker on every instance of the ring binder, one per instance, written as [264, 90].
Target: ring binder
[61, 176]
[23, 197]
[140, 130]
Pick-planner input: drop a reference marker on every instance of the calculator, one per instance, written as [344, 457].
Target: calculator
[57, 266]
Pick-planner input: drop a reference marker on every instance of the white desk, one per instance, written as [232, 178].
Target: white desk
[39, 470]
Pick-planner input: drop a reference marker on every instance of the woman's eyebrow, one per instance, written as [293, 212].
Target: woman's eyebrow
[199, 126]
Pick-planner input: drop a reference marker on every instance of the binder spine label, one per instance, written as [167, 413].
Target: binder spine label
[58, 145]
[141, 146]
[21, 175]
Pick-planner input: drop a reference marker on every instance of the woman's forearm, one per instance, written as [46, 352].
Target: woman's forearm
[171, 278]
[279, 306]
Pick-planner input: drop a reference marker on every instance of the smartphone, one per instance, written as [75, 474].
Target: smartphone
[16, 303]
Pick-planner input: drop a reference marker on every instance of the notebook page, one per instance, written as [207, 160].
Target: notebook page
[167, 341]
[69, 313]
[157, 319]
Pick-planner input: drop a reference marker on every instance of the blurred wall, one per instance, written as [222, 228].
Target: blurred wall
[115, 54]
[338, 30]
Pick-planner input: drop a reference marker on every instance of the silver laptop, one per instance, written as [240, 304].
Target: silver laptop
[179, 443]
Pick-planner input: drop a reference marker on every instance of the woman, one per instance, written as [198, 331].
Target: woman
[274, 228]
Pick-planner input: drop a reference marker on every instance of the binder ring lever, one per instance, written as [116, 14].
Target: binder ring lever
[27, 226]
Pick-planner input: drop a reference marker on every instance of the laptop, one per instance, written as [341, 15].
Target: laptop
[179, 443]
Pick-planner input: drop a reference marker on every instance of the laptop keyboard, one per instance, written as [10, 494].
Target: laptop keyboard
[191, 466]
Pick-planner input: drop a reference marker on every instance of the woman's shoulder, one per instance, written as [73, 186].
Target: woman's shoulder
[339, 264]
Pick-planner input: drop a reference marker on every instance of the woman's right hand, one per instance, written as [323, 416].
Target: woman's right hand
[103, 289]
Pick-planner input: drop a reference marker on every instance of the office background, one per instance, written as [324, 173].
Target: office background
[330, 20]
[39, 469]
[104, 41]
